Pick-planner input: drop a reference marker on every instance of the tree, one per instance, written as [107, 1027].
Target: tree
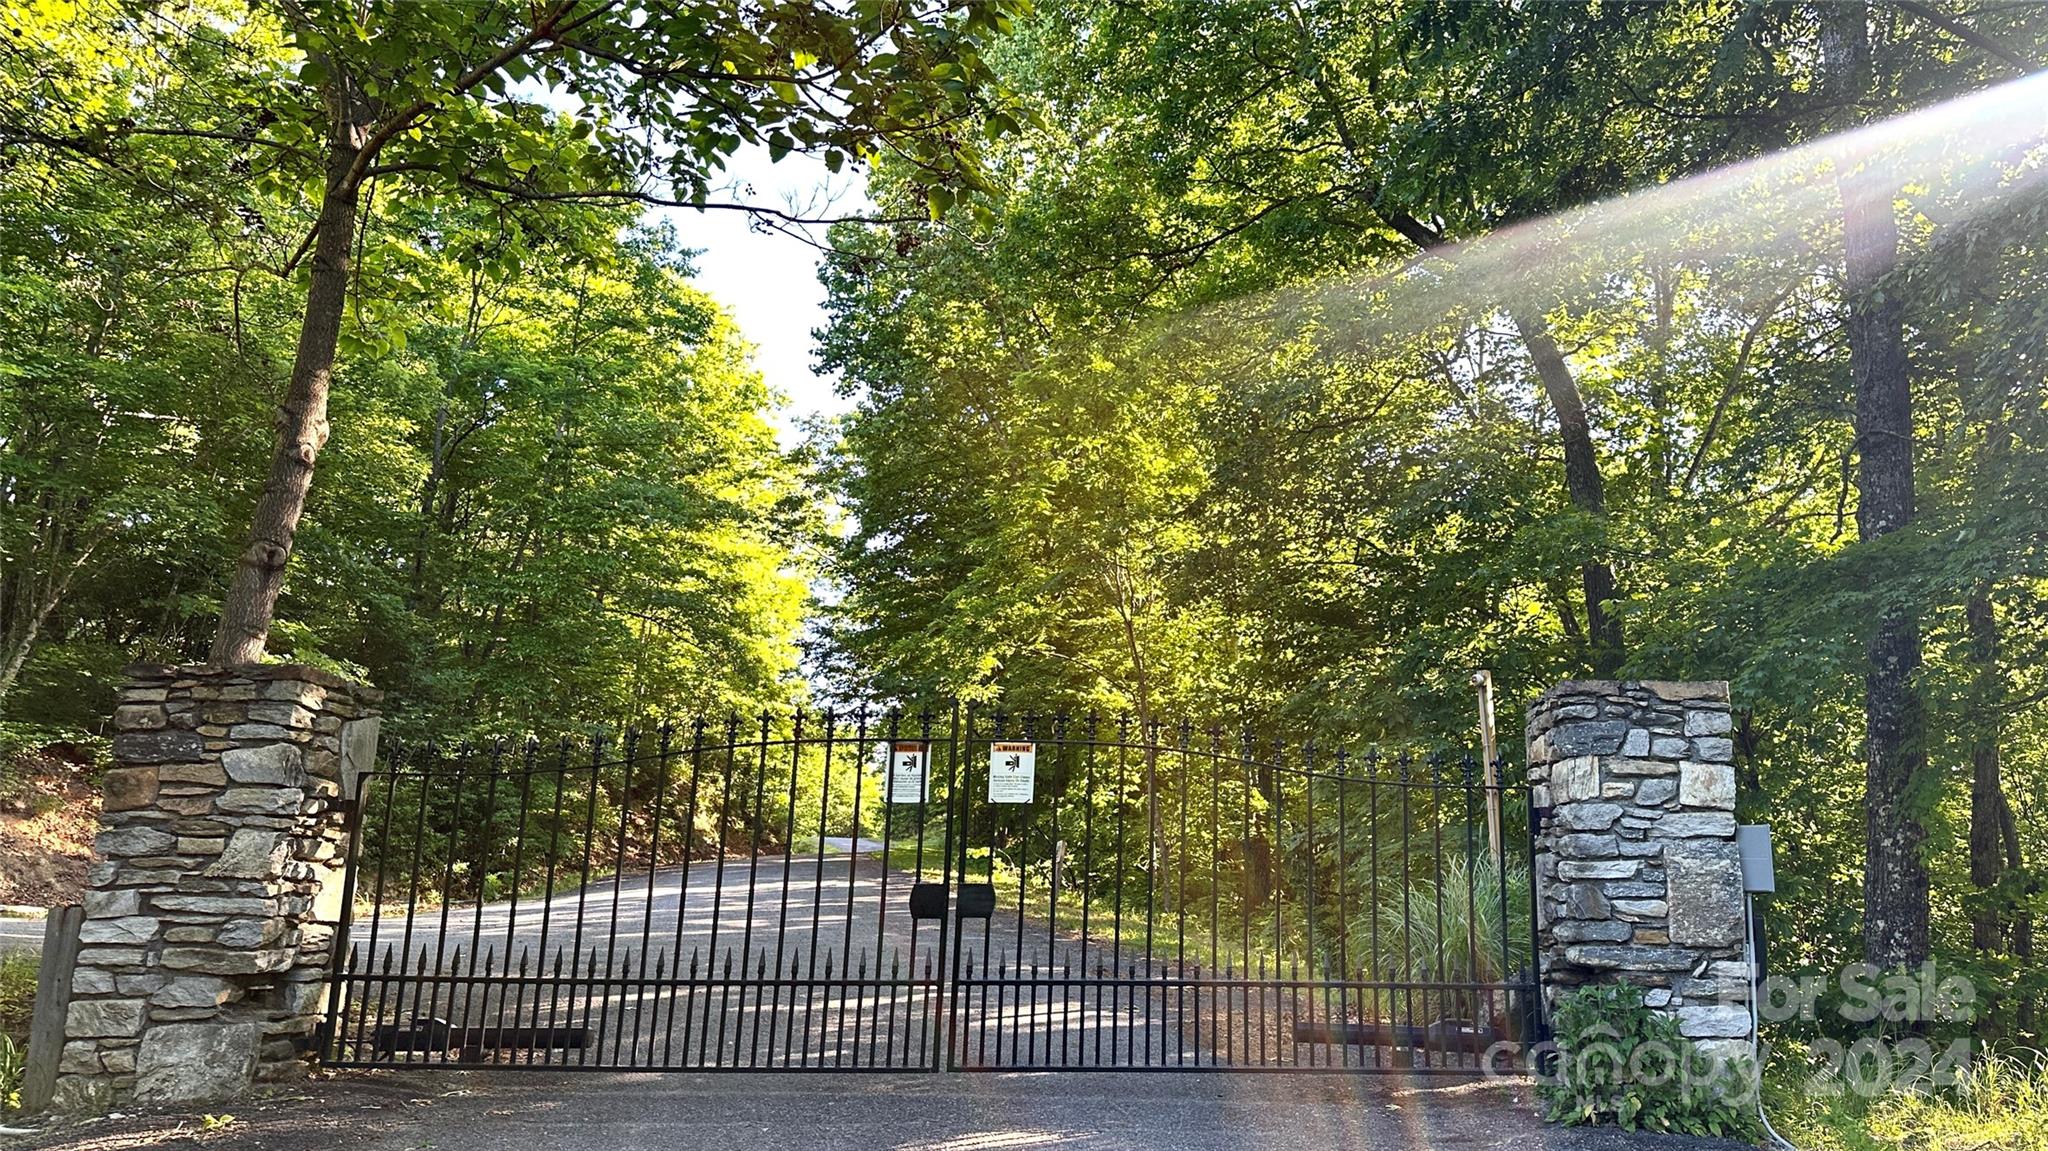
[1895, 880]
[440, 99]
[555, 494]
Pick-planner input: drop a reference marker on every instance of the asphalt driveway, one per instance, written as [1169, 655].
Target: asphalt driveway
[485, 1111]
[18, 934]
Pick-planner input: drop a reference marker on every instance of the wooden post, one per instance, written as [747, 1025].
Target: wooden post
[1489, 752]
[53, 1001]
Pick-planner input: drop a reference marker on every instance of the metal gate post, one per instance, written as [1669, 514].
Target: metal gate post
[327, 1038]
[942, 1014]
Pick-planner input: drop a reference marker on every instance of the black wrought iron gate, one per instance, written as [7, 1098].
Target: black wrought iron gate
[951, 890]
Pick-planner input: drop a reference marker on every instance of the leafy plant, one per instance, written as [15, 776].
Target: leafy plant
[13, 1064]
[17, 1001]
[1620, 1062]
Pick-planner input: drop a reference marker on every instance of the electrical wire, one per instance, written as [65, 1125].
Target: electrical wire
[1756, 1037]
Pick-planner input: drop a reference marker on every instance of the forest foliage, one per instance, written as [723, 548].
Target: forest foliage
[1306, 358]
[553, 491]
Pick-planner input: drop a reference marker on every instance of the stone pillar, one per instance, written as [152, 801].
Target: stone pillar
[1637, 875]
[209, 919]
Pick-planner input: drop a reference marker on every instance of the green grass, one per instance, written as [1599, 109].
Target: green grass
[1998, 1103]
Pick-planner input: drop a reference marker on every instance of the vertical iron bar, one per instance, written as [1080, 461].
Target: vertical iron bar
[483, 871]
[1470, 1004]
[1215, 880]
[712, 957]
[818, 881]
[1088, 881]
[861, 756]
[1150, 733]
[449, 850]
[1180, 900]
[629, 750]
[1343, 1018]
[796, 742]
[526, 770]
[583, 894]
[547, 899]
[654, 867]
[1405, 1055]
[340, 960]
[1116, 939]
[1531, 994]
[890, 801]
[661, 758]
[408, 977]
[1436, 783]
[1378, 997]
[942, 1019]
[1500, 863]
[1249, 882]
[1056, 863]
[753, 878]
[392, 776]
[1279, 872]
[1023, 865]
[689, 836]
[1308, 860]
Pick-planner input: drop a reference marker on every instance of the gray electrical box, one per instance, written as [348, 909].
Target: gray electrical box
[1753, 841]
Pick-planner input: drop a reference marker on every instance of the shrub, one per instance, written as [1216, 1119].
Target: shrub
[1619, 1062]
[17, 992]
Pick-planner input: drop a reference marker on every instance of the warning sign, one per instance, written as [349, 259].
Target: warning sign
[1012, 772]
[906, 777]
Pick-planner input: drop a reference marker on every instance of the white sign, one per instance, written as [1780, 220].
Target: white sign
[907, 775]
[1012, 771]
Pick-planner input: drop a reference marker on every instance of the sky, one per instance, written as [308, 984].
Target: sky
[767, 280]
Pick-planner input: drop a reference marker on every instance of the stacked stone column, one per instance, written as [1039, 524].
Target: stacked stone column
[205, 947]
[1638, 879]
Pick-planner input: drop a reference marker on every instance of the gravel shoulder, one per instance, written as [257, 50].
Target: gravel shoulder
[473, 1111]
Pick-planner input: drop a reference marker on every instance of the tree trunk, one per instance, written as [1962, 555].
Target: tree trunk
[17, 655]
[251, 600]
[1127, 610]
[1987, 794]
[1582, 478]
[1895, 882]
[1895, 908]
[1895, 914]
[2022, 919]
[424, 539]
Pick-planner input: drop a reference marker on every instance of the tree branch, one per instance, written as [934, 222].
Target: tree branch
[628, 195]
[543, 28]
[1749, 339]
[1968, 35]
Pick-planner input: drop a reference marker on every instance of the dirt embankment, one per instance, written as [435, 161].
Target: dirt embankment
[49, 810]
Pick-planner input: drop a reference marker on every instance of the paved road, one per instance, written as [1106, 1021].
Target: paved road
[20, 934]
[485, 1111]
